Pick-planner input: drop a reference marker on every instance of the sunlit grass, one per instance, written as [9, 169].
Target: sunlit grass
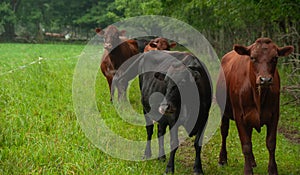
[40, 134]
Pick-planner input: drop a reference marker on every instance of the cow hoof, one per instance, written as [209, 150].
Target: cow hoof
[196, 173]
[146, 157]
[169, 170]
[165, 173]
[222, 163]
[248, 171]
[254, 164]
[162, 158]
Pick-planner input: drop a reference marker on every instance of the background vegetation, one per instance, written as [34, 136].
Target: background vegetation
[222, 22]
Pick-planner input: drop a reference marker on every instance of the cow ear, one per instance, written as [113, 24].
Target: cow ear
[285, 51]
[99, 31]
[153, 45]
[122, 32]
[173, 44]
[241, 50]
[159, 76]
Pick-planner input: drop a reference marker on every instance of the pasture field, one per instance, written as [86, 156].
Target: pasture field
[40, 134]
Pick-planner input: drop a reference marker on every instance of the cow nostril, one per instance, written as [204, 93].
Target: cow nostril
[269, 79]
[107, 45]
[264, 80]
[167, 107]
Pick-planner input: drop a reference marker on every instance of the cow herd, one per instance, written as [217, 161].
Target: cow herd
[248, 76]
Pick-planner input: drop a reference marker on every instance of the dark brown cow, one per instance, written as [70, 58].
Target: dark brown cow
[253, 89]
[117, 50]
[159, 44]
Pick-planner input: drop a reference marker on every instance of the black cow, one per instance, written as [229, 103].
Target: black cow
[183, 80]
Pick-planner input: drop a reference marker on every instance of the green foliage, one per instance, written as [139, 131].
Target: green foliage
[6, 13]
[222, 23]
[100, 14]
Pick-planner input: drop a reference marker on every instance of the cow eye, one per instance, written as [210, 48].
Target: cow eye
[253, 59]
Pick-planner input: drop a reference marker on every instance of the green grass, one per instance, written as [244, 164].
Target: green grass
[40, 134]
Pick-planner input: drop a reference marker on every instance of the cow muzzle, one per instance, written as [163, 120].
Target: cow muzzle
[108, 46]
[264, 80]
[166, 109]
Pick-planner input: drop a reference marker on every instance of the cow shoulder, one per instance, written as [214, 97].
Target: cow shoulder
[235, 67]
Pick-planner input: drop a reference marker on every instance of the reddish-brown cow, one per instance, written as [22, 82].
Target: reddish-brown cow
[159, 44]
[252, 83]
[117, 51]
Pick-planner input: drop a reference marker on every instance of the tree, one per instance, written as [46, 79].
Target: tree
[8, 18]
[100, 15]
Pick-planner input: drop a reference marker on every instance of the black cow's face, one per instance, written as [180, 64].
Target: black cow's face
[177, 79]
[264, 55]
[172, 98]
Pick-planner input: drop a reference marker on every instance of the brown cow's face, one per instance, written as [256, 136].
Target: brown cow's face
[111, 37]
[159, 44]
[263, 55]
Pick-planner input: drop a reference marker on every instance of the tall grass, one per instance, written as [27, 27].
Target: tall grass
[39, 132]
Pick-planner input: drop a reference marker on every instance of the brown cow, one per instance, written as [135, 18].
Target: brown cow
[252, 88]
[159, 44]
[117, 50]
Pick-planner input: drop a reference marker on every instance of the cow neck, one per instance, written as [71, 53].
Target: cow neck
[256, 89]
[116, 56]
[258, 96]
[262, 93]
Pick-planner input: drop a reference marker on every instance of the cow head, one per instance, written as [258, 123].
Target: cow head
[263, 55]
[159, 44]
[111, 36]
[178, 78]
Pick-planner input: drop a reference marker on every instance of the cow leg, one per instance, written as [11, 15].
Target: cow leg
[224, 133]
[160, 135]
[245, 138]
[271, 145]
[197, 144]
[252, 159]
[111, 90]
[122, 91]
[149, 128]
[174, 146]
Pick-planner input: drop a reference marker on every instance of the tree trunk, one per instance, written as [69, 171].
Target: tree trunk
[9, 31]
[9, 26]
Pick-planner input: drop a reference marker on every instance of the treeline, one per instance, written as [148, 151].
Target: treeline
[222, 22]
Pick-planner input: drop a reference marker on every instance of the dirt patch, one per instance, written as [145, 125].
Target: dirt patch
[292, 135]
